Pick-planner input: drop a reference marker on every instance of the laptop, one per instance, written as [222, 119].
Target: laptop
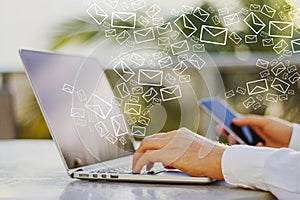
[86, 122]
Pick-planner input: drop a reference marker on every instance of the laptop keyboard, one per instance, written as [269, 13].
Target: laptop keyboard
[120, 169]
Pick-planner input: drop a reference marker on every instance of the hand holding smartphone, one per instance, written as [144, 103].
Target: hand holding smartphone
[224, 115]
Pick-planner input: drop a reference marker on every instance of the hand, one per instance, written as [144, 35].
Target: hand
[276, 133]
[183, 150]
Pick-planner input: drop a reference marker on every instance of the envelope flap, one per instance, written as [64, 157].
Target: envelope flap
[214, 31]
[123, 16]
[143, 32]
[281, 25]
[151, 74]
[170, 90]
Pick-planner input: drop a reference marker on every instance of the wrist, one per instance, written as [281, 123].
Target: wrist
[217, 173]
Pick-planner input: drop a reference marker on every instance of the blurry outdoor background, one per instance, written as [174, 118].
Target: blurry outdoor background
[64, 26]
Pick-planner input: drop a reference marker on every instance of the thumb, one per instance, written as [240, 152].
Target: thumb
[250, 120]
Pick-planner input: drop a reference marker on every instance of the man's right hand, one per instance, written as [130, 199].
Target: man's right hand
[276, 133]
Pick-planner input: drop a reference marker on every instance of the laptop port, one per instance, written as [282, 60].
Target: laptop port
[103, 176]
[95, 175]
[114, 176]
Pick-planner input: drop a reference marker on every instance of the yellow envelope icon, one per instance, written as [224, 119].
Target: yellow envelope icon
[213, 35]
[295, 45]
[96, 13]
[119, 125]
[123, 20]
[231, 19]
[164, 29]
[165, 62]
[188, 28]
[280, 85]
[180, 47]
[138, 131]
[294, 14]
[123, 70]
[280, 46]
[101, 129]
[281, 29]
[150, 77]
[257, 86]
[132, 109]
[278, 69]
[98, 106]
[149, 95]
[201, 14]
[180, 67]
[144, 120]
[144, 35]
[170, 93]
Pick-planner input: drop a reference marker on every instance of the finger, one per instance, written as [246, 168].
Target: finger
[145, 159]
[168, 167]
[250, 120]
[222, 131]
[232, 140]
[149, 166]
[260, 144]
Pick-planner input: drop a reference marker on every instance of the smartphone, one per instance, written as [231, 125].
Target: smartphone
[224, 115]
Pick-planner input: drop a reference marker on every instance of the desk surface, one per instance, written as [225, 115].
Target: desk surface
[33, 170]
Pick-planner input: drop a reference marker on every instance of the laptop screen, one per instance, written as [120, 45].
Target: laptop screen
[79, 107]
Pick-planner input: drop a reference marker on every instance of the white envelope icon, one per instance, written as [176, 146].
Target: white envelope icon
[186, 9]
[268, 11]
[138, 4]
[235, 38]
[137, 90]
[188, 28]
[254, 23]
[123, 20]
[249, 102]
[77, 112]
[144, 35]
[164, 29]
[149, 95]
[241, 90]
[123, 37]
[123, 140]
[264, 73]
[180, 47]
[249, 39]
[223, 11]
[254, 7]
[81, 122]
[110, 33]
[150, 77]
[292, 68]
[273, 98]
[164, 41]
[294, 14]
[294, 78]
[295, 45]
[98, 106]
[231, 19]
[180, 67]
[198, 48]
[119, 125]
[153, 11]
[138, 131]
[134, 99]
[281, 29]
[158, 21]
[185, 79]
[137, 59]
[229, 94]
[111, 3]
[171, 79]
[144, 120]
[197, 61]
[213, 35]
[111, 138]
[101, 129]
[280, 85]
[280, 46]
[68, 88]
[132, 109]
[143, 21]
[165, 62]
[268, 42]
[201, 14]
[257, 86]
[170, 93]
[278, 69]
[96, 13]
[256, 106]
[283, 97]
[123, 90]
[123, 70]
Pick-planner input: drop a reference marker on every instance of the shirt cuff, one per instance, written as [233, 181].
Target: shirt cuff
[295, 138]
[244, 166]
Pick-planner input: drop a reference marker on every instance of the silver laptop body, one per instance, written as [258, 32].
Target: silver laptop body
[69, 100]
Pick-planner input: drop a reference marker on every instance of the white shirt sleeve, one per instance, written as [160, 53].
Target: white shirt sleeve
[295, 138]
[274, 170]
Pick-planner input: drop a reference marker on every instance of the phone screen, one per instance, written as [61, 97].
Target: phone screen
[225, 115]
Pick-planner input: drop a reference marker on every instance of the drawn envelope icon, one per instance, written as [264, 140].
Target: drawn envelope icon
[143, 21]
[165, 62]
[110, 33]
[137, 90]
[138, 4]
[254, 7]
[268, 42]
[213, 35]
[187, 9]
[164, 29]
[164, 41]
[294, 78]
[283, 97]
[294, 14]
[180, 47]
[123, 90]
[123, 20]
[268, 11]
[235, 38]
[262, 63]
[170, 93]
[96, 13]
[185, 26]
[257, 86]
[295, 45]
[201, 14]
[101, 129]
[158, 21]
[111, 138]
[185, 79]
[132, 109]
[241, 90]
[98, 106]
[181, 67]
[278, 69]
[249, 39]
[150, 77]
[138, 131]
[144, 120]
[249, 102]
[153, 11]
[273, 98]
[254, 23]
[198, 48]
[264, 73]
[68, 88]
[231, 19]
[229, 94]
[144, 35]
[137, 59]
[171, 79]
[149, 95]
[280, 46]
[281, 29]
[197, 61]
[134, 99]
[280, 85]
[119, 125]
[123, 37]
[77, 112]
[123, 70]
